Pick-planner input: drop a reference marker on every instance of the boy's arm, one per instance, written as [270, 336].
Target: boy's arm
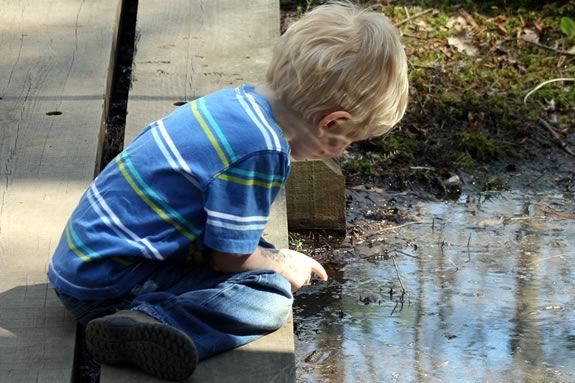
[296, 267]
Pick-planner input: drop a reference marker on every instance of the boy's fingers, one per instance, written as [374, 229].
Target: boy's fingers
[318, 269]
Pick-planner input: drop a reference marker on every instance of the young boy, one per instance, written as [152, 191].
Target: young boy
[201, 181]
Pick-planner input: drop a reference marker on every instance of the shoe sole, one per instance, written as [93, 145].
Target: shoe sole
[156, 348]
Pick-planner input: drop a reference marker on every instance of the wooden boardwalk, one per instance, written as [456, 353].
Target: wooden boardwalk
[56, 61]
[54, 65]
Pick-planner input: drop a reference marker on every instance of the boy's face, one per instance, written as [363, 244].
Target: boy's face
[321, 141]
[312, 147]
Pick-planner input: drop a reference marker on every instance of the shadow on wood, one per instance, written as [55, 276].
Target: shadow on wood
[33, 320]
[239, 367]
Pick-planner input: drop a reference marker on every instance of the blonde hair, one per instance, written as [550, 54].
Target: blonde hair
[341, 57]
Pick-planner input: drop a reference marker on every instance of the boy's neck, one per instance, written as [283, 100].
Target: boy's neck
[291, 122]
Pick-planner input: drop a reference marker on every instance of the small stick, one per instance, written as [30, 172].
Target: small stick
[567, 53]
[468, 251]
[415, 37]
[555, 135]
[433, 224]
[394, 307]
[404, 225]
[403, 290]
[441, 247]
[414, 16]
[406, 254]
[513, 219]
[443, 243]
[545, 83]
[453, 264]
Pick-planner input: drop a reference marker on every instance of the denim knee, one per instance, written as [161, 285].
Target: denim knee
[278, 301]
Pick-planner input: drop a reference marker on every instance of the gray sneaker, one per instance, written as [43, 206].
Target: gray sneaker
[135, 338]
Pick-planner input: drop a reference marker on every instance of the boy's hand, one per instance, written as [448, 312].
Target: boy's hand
[300, 267]
[296, 267]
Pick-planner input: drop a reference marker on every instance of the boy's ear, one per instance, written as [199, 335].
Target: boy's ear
[332, 119]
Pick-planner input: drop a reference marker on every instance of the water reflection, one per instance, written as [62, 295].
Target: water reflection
[490, 299]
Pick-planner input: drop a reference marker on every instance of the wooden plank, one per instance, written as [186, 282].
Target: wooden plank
[54, 56]
[189, 48]
[316, 196]
[186, 49]
[269, 359]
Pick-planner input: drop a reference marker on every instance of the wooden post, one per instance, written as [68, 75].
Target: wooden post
[316, 196]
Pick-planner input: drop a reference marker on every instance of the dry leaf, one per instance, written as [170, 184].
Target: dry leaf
[470, 20]
[422, 26]
[457, 22]
[528, 35]
[539, 25]
[463, 46]
[502, 29]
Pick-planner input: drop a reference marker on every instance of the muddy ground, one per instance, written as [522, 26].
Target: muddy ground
[475, 120]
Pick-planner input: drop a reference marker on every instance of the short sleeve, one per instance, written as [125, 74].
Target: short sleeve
[239, 199]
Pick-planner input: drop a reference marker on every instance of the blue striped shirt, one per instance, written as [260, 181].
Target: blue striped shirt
[204, 176]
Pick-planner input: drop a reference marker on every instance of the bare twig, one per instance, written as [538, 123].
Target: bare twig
[562, 52]
[419, 14]
[406, 254]
[453, 264]
[545, 83]
[555, 135]
[414, 36]
[547, 210]
[514, 219]
[441, 246]
[403, 290]
[400, 226]
[395, 307]
[468, 252]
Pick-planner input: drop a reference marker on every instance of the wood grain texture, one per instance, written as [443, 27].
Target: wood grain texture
[268, 360]
[186, 49]
[54, 57]
[316, 196]
[189, 48]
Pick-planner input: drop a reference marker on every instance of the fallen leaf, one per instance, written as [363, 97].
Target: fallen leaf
[538, 24]
[528, 35]
[502, 29]
[469, 19]
[463, 46]
[457, 22]
[422, 26]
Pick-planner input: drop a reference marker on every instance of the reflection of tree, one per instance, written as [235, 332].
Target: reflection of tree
[332, 369]
[445, 301]
[526, 342]
[326, 363]
[419, 311]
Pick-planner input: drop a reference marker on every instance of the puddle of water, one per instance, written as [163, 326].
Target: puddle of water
[490, 299]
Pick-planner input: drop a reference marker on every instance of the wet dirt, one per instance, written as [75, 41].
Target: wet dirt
[479, 289]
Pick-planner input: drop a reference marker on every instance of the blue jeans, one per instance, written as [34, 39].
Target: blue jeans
[218, 311]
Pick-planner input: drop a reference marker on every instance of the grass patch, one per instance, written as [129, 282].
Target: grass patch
[467, 111]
